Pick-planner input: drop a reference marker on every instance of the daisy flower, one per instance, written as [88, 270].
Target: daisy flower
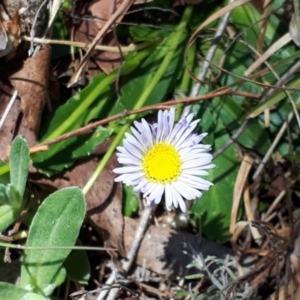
[164, 159]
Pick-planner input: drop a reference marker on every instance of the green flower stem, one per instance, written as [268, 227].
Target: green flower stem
[105, 159]
[128, 67]
[186, 79]
[173, 41]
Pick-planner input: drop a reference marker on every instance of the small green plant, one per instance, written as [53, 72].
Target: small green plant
[221, 274]
[12, 187]
[53, 229]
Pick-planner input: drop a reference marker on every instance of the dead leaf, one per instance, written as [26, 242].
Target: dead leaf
[14, 124]
[100, 12]
[32, 84]
[108, 61]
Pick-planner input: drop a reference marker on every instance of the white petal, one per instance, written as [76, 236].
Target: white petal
[199, 160]
[178, 198]
[129, 161]
[196, 172]
[181, 188]
[173, 196]
[132, 150]
[162, 127]
[129, 169]
[194, 149]
[149, 191]
[157, 193]
[121, 178]
[200, 137]
[136, 177]
[139, 137]
[171, 118]
[182, 139]
[190, 117]
[141, 185]
[194, 186]
[121, 149]
[196, 182]
[135, 132]
[176, 134]
[168, 197]
[188, 130]
[197, 163]
[208, 166]
[187, 120]
[159, 117]
[195, 156]
[147, 132]
[125, 154]
[139, 126]
[159, 127]
[187, 191]
[136, 143]
[157, 200]
[165, 127]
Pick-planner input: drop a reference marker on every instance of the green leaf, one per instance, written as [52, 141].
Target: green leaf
[274, 99]
[67, 116]
[8, 215]
[232, 115]
[214, 207]
[58, 279]
[139, 80]
[246, 17]
[60, 120]
[247, 21]
[10, 197]
[62, 155]
[143, 33]
[19, 161]
[4, 199]
[14, 197]
[91, 103]
[131, 202]
[65, 153]
[78, 266]
[56, 223]
[9, 291]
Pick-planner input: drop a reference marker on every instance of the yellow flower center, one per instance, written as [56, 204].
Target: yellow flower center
[162, 163]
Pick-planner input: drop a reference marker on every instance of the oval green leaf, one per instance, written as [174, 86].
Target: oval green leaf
[56, 223]
[19, 162]
[9, 291]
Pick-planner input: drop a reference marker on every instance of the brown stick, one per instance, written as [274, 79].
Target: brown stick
[166, 105]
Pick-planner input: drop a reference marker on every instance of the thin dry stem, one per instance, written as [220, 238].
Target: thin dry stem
[166, 105]
[210, 54]
[85, 45]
